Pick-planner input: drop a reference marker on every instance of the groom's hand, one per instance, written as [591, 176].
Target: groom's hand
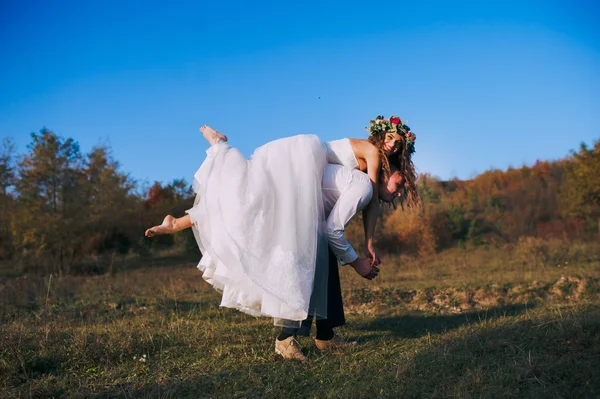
[365, 267]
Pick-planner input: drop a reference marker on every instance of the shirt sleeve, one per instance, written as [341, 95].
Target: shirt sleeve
[353, 199]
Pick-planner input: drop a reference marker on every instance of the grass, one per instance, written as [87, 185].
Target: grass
[427, 328]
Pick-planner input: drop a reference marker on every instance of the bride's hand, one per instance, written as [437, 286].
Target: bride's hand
[167, 227]
[373, 255]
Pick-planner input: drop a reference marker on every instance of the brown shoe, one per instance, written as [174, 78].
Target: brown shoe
[289, 348]
[334, 343]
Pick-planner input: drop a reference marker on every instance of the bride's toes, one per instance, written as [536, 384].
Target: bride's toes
[212, 135]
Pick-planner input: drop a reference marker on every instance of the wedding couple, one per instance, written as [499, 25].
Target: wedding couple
[264, 224]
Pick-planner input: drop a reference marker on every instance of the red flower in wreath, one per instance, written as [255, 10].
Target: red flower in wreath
[395, 120]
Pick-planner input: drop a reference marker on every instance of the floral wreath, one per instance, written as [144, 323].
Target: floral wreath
[396, 125]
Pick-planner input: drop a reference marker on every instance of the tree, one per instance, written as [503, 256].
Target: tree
[110, 206]
[582, 185]
[108, 191]
[7, 182]
[51, 201]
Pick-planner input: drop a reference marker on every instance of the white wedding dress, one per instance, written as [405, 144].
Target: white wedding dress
[258, 224]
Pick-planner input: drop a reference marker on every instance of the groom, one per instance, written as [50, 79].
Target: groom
[345, 192]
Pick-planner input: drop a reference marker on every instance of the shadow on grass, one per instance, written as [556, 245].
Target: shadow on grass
[555, 354]
[543, 355]
[417, 325]
[276, 379]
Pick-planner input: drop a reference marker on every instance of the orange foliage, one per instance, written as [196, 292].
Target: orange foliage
[495, 207]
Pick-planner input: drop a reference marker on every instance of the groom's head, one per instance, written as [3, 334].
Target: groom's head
[391, 187]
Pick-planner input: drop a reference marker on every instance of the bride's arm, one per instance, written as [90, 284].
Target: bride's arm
[367, 151]
[371, 212]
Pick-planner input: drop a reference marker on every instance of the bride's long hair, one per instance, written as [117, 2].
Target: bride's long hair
[402, 161]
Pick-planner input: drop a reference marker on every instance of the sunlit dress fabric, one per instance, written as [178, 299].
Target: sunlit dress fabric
[260, 225]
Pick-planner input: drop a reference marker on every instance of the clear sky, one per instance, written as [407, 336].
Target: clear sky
[483, 84]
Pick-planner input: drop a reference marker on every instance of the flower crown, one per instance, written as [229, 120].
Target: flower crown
[394, 124]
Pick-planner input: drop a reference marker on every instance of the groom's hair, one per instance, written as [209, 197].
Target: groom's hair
[393, 169]
[384, 177]
[383, 180]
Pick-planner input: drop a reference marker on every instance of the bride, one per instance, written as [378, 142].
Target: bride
[257, 221]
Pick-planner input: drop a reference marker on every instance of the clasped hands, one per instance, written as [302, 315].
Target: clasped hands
[367, 267]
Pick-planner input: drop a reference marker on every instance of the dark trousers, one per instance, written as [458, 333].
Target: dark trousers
[335, 304]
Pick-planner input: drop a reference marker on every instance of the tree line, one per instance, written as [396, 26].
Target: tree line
[63, 211]
[549, 200]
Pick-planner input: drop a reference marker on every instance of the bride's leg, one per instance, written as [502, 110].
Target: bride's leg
[212, 135]
[170, 225]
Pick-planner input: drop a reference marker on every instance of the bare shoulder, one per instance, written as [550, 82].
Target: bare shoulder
[359, 141]
[363, 148]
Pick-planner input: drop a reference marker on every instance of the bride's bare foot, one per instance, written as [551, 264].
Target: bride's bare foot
[212, 135]
[167, 227]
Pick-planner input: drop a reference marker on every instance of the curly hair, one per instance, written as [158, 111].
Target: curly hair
[402, 161]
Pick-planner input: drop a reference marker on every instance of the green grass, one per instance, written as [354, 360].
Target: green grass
[427, 328]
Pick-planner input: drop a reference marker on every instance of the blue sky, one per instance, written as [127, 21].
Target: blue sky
[484, 84]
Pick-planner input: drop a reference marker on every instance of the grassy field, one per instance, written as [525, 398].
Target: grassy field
[461, 324]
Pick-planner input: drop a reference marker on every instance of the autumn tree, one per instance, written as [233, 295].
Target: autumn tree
[7, 182]
[582, 185]
[110, 223]
[51, 204]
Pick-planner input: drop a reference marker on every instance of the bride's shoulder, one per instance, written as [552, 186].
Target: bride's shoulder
[360, 141]
[361, 145]
[352, 141]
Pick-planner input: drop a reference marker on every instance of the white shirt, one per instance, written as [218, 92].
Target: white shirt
[345, 192]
